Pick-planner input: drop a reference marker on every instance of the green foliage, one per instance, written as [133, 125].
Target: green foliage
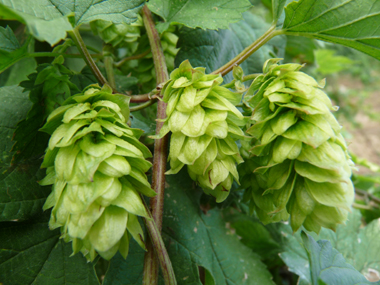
[50, 20]
[327, 265]
[206, 14]
[353, 27]
[10, 50]
[15, 202]
[329, 63]
[212, 49]
[32, 254]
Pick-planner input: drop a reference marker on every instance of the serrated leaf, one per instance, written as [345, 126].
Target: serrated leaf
[217, 14]
[32, 254]
[20, 195]
[212, 49]
[49, 20]
[194, 239]
[328, 265]
[348, 22]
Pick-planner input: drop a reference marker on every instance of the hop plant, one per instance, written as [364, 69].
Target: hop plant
[298, 157]
[119, 35]
[204, 123]
[97, 167]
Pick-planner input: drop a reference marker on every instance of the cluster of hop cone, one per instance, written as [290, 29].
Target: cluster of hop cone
[293, 161]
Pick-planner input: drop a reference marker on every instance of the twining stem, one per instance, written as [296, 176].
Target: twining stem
[140, 98]
[137, 56]
[159, 246]
[160, 152]
[248, 51]
[75, 35]
[142, 106]
[55, 54]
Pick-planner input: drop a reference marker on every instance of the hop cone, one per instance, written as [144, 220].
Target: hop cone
[299, 160]
[97, 167]
[118, 35]
[204, 123]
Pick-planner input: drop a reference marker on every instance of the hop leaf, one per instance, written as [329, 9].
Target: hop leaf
[204, 123]
[97, 167]
[299, 159]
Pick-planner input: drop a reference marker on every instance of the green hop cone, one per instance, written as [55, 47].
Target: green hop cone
[299, 159]
[204, 123]
[118, 35]
[97, 167]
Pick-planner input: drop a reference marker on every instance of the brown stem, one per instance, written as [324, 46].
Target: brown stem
[248, 51]
[160, 149]
[140, 98]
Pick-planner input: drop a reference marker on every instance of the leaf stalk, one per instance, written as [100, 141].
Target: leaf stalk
[75, 35]
[247, 52]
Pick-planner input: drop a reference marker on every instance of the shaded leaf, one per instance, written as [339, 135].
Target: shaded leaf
[20, 195]
[32, 254]
[213, 49]
[214, 15]
[8, 41]
[10, 50]
[49, 20]
[348, 22]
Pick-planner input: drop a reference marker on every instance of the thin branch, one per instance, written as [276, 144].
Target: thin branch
[142, 106]
[75, 35]
[137, 56]
[248, 51]
[366, 194]
[55, 54]
[160, 149]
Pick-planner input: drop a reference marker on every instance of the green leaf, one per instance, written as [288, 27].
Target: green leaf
[359, 246]
[329, 63]
[328, 265]
[277, 9]
[8, 40]
[212, 49]
[300, 48]
[10, 50]
[217, 14]
[32, 254]
[20, 195]
[195, 239]
[347, 22]
[20, 71]
[49, 20]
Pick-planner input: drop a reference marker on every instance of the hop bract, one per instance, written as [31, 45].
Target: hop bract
[299, 159]
[118, 35]
[97, 167]
[204, 123]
